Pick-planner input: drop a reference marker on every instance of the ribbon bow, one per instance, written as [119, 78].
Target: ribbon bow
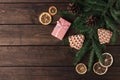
[61, 25]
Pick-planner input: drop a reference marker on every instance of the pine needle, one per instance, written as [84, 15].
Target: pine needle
[81, 52]
[107, 13]
[91, 60]
[98, 51]
[65, 41]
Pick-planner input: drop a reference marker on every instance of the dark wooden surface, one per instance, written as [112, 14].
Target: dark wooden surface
[29, 52]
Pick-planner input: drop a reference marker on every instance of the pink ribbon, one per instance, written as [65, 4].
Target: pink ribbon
[61, 26]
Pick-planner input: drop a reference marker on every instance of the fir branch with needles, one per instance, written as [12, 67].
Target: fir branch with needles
[107, 13]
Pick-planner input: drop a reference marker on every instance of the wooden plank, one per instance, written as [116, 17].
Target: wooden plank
[35, 56]
[53, 73]
[31, 1]
[45, 55]
[29, 35]
[35, 73]
[26, 13]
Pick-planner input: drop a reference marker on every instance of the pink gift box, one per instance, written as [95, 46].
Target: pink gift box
[61, 28]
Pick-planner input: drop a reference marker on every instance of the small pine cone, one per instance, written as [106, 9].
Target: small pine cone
[91, 21]
[76, 41]
[73, 8]
[104, 36]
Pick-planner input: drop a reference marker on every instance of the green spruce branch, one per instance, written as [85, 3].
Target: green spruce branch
[91, 59]
[81, 52]
[107, 13]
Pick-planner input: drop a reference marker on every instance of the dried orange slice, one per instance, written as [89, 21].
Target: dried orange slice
[107, 60]
[45, 18]
[99, 69]
[52, 10]
[81, 68]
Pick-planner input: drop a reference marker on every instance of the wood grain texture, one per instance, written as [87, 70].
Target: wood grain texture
[27, 35]
[26, 13]
[46, 56]
[29, 52]
[52, 73]
[30, 35]
[35, 73]
[35, 56]
[32, 1]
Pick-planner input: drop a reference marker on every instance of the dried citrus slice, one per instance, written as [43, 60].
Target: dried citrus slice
[45, 18]
[81, 68]
[107, 60]
[52, 10]
[99, 69]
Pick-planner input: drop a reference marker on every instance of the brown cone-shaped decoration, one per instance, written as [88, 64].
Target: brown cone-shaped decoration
[91, 21]
[73, 8]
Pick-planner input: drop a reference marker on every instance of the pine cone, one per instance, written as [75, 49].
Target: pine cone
[91, 21]
[76, 41]
[104, 36]
[73, 8]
